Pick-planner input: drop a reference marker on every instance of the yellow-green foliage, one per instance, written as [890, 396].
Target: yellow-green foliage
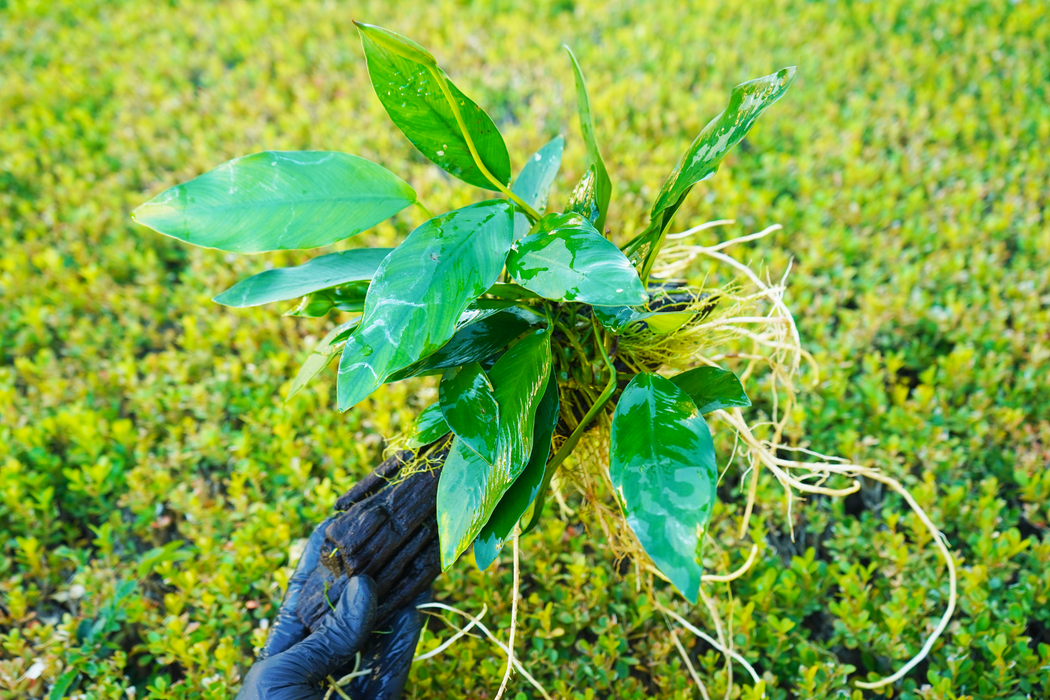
[908, 165]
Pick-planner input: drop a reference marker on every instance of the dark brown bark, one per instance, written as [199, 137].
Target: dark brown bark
[387, 530]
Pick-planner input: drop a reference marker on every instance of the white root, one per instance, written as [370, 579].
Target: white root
[517, 665]
[778, 347]
[735, 656]
[781, 339]
[513, 625]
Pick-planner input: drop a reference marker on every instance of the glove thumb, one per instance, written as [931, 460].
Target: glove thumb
[342, 633]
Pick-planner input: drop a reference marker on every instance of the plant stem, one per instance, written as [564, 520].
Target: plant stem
[529, 211]
[632, 245]
[567, 447]
[425, 210]
[571, 337]
[654, 250]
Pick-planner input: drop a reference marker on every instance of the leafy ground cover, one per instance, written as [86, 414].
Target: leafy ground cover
[154, 486]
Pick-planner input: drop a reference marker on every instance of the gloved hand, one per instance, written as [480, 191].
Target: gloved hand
[293, 663]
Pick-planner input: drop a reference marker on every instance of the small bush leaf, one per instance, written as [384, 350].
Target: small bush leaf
[712, 388]
[409, 84]
[284, 283]
[662, 466]
[63, 683]
[568, 260]
[278, 200]
[470, 409]
[419, 292]
[469, 488]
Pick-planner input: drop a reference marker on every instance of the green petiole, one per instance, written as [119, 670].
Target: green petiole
[529, 211]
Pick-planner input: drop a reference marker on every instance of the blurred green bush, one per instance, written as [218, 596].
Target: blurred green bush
[152, 484]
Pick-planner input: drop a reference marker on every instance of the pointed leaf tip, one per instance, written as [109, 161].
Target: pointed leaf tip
[662, 466]
[431, 111]
[396, 43]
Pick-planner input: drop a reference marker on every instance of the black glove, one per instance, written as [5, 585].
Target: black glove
[293, 663]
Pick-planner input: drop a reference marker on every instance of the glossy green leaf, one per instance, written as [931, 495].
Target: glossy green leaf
[746, 102]
[283, 283]
[712, 388]
[573, 262]
[320, 356]
[469, 488]
[526, 487]
[584, 197]
[278, 200]
[63, 683]
[513, 292]
[475, 342]
[534, 182]
[617, 319]
[419, 292]
[429, 426]
[602, 185]
[470, 409]
[662, 466]
[349, 297]
[410, 86]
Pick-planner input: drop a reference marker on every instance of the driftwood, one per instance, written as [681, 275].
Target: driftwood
[387, 529]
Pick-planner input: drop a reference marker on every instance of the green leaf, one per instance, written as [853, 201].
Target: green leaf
[712, 388]
[573, 262]
[662, 466]
[349, 297]
[746, 102]
[470, 409]
[278, 200]
[61, 686]
[526, 487]
[512, 292]
[429, 426]
[290, 282]
[469, 488]
[169, 552]
[584, 197]
[419, 292]
[409, 84]
[474, 342]
[602, 185]
[618, 318]
[321, 355]
[534, 182]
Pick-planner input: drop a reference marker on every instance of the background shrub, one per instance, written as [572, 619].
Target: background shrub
[153, 487]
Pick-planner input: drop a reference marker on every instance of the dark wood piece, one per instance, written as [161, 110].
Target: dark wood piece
[387, 530]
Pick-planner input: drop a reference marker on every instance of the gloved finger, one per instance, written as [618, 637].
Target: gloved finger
[331, 649]
[390, 654]
[287, 628]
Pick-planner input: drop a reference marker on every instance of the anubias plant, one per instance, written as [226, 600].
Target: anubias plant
[543, 331]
